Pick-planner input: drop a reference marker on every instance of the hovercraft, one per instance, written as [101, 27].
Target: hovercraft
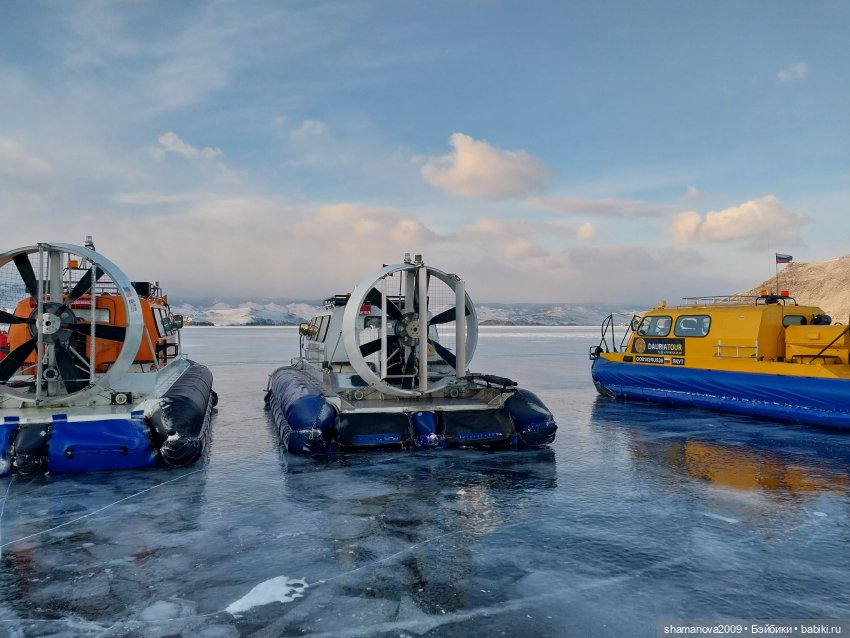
[385, 366]
[766, 357]
[92, 376]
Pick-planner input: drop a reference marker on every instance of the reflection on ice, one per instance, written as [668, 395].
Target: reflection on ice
[746, 455]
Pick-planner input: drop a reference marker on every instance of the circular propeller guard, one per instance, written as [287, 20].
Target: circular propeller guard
[55, 331]
[386, 336]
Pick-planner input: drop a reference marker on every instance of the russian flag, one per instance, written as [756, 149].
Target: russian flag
[783, 259]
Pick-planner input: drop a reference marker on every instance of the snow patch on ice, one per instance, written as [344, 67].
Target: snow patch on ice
[281, 589]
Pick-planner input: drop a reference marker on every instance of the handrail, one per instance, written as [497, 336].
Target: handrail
[595, 351]
[738, 347]
[738, 300]
[608, 326]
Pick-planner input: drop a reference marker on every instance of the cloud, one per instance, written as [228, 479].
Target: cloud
[171, 143]
[608, 207]
[586, 231]
[16, 162]
[355, 229]
[477, 169]
[760, 222]
[691, 194]
[309, 129]
[523, 249]
[148, 198]
[794, 72]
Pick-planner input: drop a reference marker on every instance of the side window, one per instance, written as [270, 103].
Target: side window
[324, 322]
[160, 328]
[692, 326]
[655, 326]
[793, 320]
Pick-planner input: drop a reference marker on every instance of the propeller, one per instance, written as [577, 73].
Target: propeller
[374, 298]
[112, 333]
[15, 359]
[22, 261]
[68, 370]
[422, 354]
[447, 316]
[57, 334]
[5, 317]
[81, 287]
[444, 352]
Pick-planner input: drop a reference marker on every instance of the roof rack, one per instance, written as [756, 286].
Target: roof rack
[737, 300]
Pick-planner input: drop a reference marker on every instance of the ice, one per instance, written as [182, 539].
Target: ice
[280, 589]
[718, 517]
[161, 610]
[632, 515]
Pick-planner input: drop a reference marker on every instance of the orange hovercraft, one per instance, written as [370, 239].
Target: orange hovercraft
[92, 377]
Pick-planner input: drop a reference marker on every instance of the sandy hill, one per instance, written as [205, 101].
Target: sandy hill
[825, 284]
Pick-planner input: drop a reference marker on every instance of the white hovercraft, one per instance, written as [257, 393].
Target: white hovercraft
[386, 367]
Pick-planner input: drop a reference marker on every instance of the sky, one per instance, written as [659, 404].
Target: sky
[545, 151]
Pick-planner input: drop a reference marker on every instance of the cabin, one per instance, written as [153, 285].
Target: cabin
[766, 328]
[160, 342]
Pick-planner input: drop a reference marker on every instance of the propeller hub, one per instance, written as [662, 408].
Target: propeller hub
[413, 328]
[407, 329]
[55, 322]
[50, 323]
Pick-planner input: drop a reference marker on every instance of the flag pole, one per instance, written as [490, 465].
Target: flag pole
[776, 266]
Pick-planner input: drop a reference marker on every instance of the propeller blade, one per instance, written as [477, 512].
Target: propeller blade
[22, 261]
[5, 317]
[68, 371]
[446, 316]
[370, 348]
[374, 298]
[82, 287]
[113, 333]
[447, 355]
[15, 359]
[374, 346]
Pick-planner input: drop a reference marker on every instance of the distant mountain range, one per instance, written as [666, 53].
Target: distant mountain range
[825, 284]
[284, 313]
[247, 313]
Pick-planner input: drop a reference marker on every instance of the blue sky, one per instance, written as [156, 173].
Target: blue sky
[545, 151]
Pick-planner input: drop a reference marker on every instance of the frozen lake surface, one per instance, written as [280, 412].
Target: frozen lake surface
[636, 515]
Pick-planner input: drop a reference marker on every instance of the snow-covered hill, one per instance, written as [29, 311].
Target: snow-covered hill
[292, 313]
[247, 313]
[566, 314]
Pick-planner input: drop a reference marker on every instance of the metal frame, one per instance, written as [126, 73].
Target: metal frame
[350, 331]
[132, 340]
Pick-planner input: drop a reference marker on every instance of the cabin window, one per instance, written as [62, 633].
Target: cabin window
[692, 326]
[655, 326]
[160, 325]
[323, 323]
[793, 320]
[168, 322]
[101, 315]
